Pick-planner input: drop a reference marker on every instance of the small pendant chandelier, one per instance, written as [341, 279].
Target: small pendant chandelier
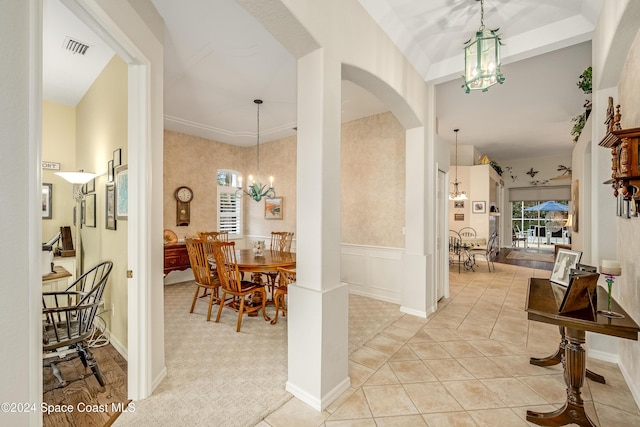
[255, 189]
[482, 58]
[457, 194]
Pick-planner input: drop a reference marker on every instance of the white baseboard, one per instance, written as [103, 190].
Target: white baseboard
[157, 380]
[634, 388]
[414, 312]
[604, 356]
[322, 403]
[118, 346]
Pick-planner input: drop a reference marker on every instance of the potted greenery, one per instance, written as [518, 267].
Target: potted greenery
[584, 83]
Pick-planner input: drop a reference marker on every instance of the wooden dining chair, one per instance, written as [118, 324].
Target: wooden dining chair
[199, 253]
[213, 236]
[231, 284]
[280, 242]
[287, 277]
[218, 236]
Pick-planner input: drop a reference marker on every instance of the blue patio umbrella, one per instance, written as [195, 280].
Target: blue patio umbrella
[549, 206]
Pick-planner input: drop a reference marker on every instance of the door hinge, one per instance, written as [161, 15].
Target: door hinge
[129, 274]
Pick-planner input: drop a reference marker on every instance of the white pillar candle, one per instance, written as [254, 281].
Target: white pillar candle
[610, 263]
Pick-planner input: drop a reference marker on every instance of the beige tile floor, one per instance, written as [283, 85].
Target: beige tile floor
[466, 365]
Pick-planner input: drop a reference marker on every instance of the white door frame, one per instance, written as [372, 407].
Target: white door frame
[139, 325]
[442, 225]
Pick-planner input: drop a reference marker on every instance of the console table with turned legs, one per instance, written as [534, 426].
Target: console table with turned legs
[541, 306]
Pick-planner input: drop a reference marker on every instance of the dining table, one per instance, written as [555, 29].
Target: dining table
[269, 261]
[467, 244]
[249, 262]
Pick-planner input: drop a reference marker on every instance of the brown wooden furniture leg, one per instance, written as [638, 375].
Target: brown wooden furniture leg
[556, 358]
[574, 373]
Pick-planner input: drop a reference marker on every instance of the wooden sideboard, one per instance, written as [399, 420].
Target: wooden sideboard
[176, 257]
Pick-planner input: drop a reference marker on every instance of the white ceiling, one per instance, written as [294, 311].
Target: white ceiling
[218, 59]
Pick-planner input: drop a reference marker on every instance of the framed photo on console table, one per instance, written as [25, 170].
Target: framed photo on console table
[565, 261]
[580, 294]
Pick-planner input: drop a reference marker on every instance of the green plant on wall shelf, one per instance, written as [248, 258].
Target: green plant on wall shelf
[496, 167]
[578, 124]
[584, 83]
[585, 80]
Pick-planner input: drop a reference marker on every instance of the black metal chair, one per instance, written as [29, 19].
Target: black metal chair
[68, 323]
[488, 253]
[455, 248]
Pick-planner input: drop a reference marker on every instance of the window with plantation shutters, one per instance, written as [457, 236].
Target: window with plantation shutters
[229, 206]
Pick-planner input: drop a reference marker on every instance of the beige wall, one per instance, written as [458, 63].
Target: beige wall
[373, 174]
[193, 162]
[628, 230]
[101, 127]
[373, 181]
[58, 145]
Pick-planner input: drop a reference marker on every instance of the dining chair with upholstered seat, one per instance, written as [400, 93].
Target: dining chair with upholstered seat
[231, 284]
[200, 251]
[287, 276]
[67, 325]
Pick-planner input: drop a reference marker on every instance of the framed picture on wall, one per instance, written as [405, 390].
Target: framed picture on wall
[273, 208]
[47, 190]
[479, 207]
[117, 157]
[458, 204]
[122, 192]
[110, 207]
[110, 171]
[90, 210]
[458, 217]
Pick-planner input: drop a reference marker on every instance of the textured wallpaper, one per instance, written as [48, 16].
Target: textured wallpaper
[373, 175]
[373, 181]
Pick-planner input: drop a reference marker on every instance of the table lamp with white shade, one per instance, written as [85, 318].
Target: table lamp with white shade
[78, 179]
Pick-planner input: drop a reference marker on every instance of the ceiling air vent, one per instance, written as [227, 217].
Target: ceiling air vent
[74, 46]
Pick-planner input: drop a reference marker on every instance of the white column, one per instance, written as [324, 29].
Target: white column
[413, 298]
[318, 302]
[419, 293]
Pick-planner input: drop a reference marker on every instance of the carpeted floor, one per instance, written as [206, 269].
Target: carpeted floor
[217, 377]
[530, 256]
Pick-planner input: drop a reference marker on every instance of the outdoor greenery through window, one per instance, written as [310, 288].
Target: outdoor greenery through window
[540, 219]
[229, 206]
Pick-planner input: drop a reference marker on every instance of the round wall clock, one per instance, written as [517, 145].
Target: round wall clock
[183, 196]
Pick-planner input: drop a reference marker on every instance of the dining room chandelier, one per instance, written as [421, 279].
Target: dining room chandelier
[456, 194]
[482, 58]
[255, 189]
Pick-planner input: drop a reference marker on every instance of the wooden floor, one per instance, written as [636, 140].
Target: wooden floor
[541, 265]
[91, 405]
